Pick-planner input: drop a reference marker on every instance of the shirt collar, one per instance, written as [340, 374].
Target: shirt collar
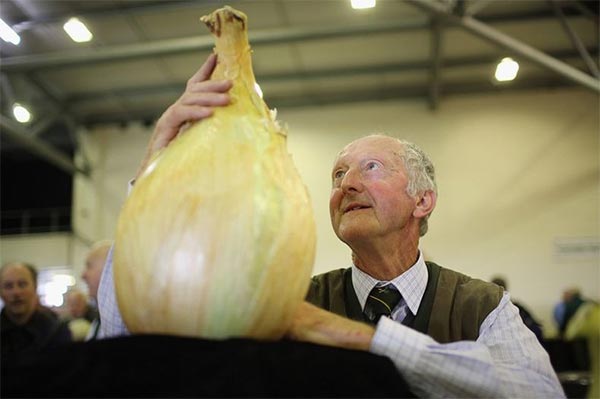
[411, 284]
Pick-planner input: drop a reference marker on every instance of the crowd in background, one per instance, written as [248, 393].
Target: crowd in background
[27, 327]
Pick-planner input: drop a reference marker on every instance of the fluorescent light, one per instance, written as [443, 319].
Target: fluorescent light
[506, 70]
[64, 279]
[77, 30]
[360, 4]
[8, 34]
[21, 113]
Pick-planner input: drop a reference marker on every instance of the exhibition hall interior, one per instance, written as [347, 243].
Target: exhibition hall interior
[502, 95]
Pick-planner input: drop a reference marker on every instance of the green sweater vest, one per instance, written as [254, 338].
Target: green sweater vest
[452, 309]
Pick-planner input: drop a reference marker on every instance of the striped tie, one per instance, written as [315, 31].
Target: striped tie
[381, 302]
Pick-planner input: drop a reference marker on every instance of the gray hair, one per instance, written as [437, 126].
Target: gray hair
[420, 171]
[421, 175]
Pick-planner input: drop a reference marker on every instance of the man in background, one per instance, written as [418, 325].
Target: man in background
[525, 314]
[585, 323]
[81, 314]
[26, 327]
[94, 264]
[566, 308]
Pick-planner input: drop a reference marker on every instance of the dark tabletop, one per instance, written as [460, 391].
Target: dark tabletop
[168, 366]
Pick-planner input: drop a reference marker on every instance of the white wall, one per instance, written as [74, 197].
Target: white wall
[516, 172]
[49, 250]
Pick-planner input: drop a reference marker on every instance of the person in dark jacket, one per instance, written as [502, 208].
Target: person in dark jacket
[566, 309]
[525, 314]
[26, 327]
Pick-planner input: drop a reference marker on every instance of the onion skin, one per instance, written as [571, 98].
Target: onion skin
[217, 238]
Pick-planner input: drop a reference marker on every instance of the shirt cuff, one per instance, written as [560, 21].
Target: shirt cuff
[401, 344]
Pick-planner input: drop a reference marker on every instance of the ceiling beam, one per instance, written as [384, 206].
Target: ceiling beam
[18, 134]
[43, 124]
[61, 109]
[206, 42]
[417, 92]
[423, 65]
[577, 43]
[436, 63]
[476, 6]
[122, 8]
[196, 43]
[501, 39]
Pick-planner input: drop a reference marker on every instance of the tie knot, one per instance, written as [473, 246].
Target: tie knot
[381, 301]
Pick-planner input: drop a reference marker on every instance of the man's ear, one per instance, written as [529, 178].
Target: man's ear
[426, 204]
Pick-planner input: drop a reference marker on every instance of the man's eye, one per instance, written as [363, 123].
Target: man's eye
[372, 166]
[339, 174]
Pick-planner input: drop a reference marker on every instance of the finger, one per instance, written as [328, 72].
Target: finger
[205, 70]
[219, 86]
[180, 114]
[205, 99]
[169, 125]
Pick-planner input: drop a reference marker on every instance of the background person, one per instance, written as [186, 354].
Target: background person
[79, 307]
[566, 308]
[585, 323]
[94, 264]
[525, 314]
[25, 326]
[80, 314]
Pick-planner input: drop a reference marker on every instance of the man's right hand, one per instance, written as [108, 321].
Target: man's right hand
[197, 102]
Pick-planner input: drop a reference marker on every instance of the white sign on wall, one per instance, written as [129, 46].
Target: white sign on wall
[577, 248]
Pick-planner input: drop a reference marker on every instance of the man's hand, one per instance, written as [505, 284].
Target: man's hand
[197, 102]
[313, 324]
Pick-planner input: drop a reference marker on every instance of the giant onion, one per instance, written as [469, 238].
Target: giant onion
[217, 238]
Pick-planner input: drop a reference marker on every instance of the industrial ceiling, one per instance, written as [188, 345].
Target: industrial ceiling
[306, 53]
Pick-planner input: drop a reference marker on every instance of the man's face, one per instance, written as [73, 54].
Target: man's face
[17, 290]
[94, 264]
[76, 304]
[368, 197]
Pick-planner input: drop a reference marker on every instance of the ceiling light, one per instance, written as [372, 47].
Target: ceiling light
[21, 113]
[360, 4]
[506, 70]
[77, 30]
[8, 34]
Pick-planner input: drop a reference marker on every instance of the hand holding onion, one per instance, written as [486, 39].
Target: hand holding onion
[197, 102]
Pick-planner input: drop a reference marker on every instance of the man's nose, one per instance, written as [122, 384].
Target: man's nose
[352, 181]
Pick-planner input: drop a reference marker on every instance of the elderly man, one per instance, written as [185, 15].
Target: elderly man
[448, 334]
[80, 314]
[26, 327]
[94, 264]
[78, 305]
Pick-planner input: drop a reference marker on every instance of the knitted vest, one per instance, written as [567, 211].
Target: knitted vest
[452, 309]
